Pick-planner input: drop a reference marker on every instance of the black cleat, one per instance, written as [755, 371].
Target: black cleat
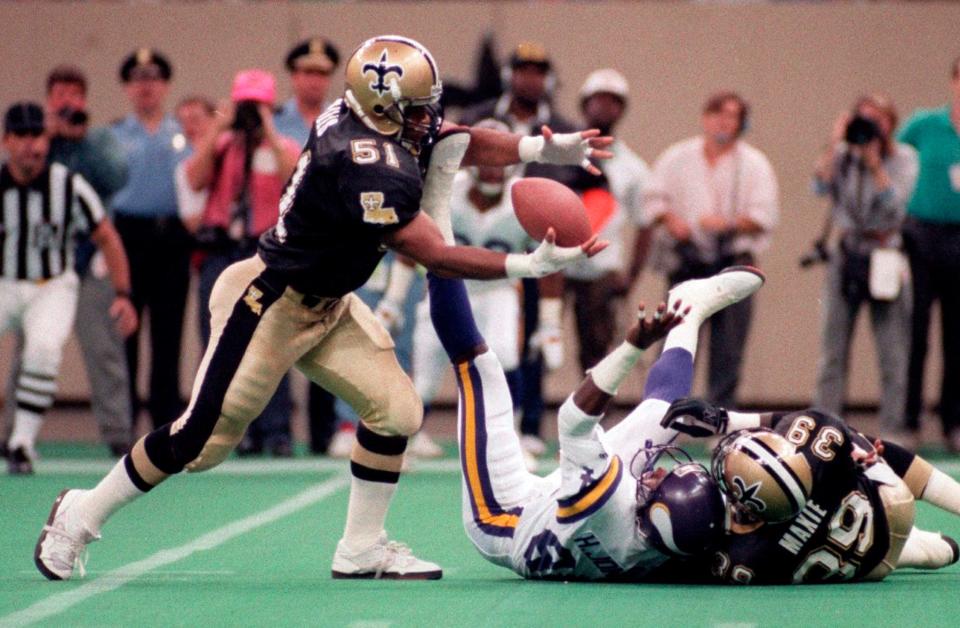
[19, 463]
[953, 546]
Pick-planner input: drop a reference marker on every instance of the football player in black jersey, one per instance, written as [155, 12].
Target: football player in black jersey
[357, 190]
[815, 501]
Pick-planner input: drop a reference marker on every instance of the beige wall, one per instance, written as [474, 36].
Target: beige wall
[799, 64]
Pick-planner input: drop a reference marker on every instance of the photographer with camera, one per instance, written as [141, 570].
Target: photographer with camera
[713, 199]
[869, 178]
[243, 163]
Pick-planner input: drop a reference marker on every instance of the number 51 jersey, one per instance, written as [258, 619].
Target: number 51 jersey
[842, 533]
[352, 186]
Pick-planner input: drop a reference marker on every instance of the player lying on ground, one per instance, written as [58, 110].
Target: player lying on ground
[357, 190]
[813, 500]
[590, 519]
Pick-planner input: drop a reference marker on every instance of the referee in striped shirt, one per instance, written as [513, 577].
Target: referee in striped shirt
[42, 208]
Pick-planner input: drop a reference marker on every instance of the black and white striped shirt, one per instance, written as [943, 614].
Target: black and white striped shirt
[38, 222]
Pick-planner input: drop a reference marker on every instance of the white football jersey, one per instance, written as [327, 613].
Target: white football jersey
[496, 229]
[585, 529]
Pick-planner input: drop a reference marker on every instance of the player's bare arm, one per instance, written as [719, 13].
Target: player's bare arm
[495, 148]
[592, 396]
[121, 310]
[421, 240]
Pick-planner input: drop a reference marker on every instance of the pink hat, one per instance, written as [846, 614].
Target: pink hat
[258, 85]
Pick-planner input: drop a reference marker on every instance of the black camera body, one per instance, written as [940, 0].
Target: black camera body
[861, 131]
[817, 254]
[246, 117]
[72, 116]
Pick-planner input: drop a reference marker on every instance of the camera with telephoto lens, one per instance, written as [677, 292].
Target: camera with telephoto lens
[817, 254]
[861, 131]
[73, 116]
[246, 117]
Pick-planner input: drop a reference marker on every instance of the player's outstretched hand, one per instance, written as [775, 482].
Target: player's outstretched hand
[549, 258]
[575, 149]
[124, 316]
[696, 417]
[646, 331]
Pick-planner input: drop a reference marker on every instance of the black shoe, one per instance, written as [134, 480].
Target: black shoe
[953, 546]
[18, 463]
[249, 447]
[281, 449]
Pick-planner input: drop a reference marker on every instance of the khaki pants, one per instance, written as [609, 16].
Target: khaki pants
[900, 510]
[337, 343]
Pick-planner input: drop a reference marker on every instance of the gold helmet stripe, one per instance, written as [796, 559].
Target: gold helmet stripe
[782, 473]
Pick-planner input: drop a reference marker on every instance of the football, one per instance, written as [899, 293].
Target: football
[542, 203]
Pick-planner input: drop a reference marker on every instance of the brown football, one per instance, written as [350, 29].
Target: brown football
[542, 203]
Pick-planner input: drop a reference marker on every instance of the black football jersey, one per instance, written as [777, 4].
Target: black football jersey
[351, 187]
[841, 534]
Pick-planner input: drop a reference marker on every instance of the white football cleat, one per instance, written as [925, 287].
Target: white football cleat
[708, 296]
[928, 550]
[422, 446]
[62, 545]
[387, 560]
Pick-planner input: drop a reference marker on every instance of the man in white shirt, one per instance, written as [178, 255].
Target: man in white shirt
[614, 204]
[715, 200]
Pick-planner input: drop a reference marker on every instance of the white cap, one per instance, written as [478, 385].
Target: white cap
[606, 81]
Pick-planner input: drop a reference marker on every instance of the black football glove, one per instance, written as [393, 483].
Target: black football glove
[695, 417]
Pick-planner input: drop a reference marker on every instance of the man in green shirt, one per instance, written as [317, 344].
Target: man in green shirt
[932, 237]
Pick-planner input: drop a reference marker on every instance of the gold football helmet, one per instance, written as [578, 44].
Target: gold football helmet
[393, 86]
[763, 473]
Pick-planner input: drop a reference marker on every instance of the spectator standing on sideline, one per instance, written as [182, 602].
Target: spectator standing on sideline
[95, 155]
[243, 164]
[714, 199]
[311, 63]
[195, 115]
[932, 235]
[614, 203]
[153, 235]
[869, 178]
[526, 106]
[42, 207]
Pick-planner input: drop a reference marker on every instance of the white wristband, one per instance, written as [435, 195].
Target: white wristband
[530, 148]
[737, 421]
[613, 369]
[518, 265]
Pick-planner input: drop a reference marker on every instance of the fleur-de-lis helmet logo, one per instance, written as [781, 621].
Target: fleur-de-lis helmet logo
[747, 495]
[381, 69]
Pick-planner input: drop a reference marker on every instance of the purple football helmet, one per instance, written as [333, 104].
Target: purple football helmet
[684, 515]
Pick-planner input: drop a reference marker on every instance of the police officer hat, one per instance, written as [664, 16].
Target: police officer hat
[145, 63]
[530, 53]
[313, 54]
[23, 118]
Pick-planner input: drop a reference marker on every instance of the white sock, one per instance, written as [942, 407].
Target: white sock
[942, 491]
[26, 427]
[366, 512]
[685, 336]
[112, 493]
[925, 550]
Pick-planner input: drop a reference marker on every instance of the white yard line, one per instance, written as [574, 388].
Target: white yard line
[60, 602]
